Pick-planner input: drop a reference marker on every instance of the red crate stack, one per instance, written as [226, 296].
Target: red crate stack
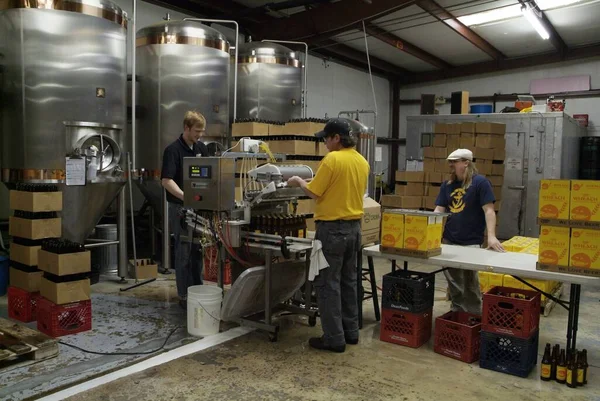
[22, 305]
[61, 320]
[405, 328]
[457, 335]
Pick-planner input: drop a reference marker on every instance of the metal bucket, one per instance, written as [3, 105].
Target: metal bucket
[104, 258]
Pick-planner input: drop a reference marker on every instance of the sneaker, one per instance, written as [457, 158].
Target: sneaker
[318, 343]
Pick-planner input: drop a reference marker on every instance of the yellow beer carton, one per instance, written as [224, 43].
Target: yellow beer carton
[585, 248]
[422, 233]
[554, 199]
[495, 280]
[585, 200]
[484, 282]
[392, 230]
[554, 245]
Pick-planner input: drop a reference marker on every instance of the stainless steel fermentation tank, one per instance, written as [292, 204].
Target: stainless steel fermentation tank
[181, 65]
[269, 82]
[538, 146]
[63, 82]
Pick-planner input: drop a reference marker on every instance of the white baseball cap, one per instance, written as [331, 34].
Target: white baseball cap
[461, 154]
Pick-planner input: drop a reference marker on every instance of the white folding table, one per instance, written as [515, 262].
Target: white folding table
[519, 265]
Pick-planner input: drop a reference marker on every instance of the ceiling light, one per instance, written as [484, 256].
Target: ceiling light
[535, 21]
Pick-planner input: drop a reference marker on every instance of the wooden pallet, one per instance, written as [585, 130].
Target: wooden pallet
[19, 343]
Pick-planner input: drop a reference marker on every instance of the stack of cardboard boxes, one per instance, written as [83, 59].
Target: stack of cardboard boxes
[411, 233]
[414, 190]
[569, 218]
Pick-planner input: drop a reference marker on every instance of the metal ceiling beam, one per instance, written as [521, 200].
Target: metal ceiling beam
[505, 64]
[555, 38]
[327, 18]
[350, 62]
[405, 46]
[444, 16]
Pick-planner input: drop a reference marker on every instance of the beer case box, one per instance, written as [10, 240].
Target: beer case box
[410, 176]
[453, 142]
[554, 245]
[584, 249]
[497, 206]
[35, 229]
[370, 223]
[402, 202]
[26, 255]
[439, 140]
[422, 233]
[484, 169]
[435, 178]
[321, 149]
[441, 153]
[65, 292]
[441, 166]
[497, 190]
[585, 200]
[36, 201]
[497, 181]
[429, 153]
[511, 282]
[410, 189]
[483, 154]
[310, 224]
[64, 264]
[498, 169]
[292, 147]
[305, 128]
[249, 129]
[143, 269]
[489, 141]
[453, 129]
[484, 282]
[392, 230]
[429, 165]
[28, 281]
[467, 128]
[554, 199]
[305, 206]
[467, 141]
[429, 202]
[499, 154]
[490, 128]
[495, 280]
[276, 129]
[440, 128]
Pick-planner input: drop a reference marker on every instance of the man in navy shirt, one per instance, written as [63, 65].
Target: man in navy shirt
[188, 258]
[469, 198]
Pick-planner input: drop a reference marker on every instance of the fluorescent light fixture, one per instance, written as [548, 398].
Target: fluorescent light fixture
[550, 4]
[535, 21]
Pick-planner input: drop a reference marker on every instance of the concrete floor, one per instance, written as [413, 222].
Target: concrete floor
[250, 367]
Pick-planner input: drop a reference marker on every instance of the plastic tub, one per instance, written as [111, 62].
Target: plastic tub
[204, 310]
[481, 108]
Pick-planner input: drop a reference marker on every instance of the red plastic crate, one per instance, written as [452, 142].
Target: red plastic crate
[405, 328]
[61, 320]
[211, 266]
[457, 335]
[511, 316]
[22, 305]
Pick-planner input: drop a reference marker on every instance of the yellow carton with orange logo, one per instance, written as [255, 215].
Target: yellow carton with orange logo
[392, 230]
[554, 199]
[585, 248]
[585, 200]
[554, 245]
[422, 233]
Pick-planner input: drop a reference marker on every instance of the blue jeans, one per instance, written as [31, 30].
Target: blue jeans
[188, 257]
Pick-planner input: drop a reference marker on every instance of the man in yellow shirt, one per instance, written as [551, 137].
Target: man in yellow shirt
[338, 188]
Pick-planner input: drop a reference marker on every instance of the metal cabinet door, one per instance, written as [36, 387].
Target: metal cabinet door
[512, 208]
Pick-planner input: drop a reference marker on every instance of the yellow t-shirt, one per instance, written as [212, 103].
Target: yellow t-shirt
[340, 184]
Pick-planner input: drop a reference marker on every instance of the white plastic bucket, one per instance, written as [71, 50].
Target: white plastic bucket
[204, 310]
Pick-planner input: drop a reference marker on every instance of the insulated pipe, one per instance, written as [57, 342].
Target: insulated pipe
[305, 90]
[235, 74]
[122, 233]
[133, 80]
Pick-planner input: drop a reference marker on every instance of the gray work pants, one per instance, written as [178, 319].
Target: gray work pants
[336, 285]
[465, 293]
[188, 257]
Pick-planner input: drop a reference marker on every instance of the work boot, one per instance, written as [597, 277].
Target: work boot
[318, 343]
[351, 341]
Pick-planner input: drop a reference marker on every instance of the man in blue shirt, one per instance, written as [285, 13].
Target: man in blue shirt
[469, 198]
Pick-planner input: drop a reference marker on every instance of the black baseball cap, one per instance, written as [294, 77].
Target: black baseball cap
[334, 126]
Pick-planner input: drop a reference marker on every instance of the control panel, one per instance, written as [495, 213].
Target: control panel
[209, 183]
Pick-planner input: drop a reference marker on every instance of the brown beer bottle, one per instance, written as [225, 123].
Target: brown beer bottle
[572, 371]
[546, 365]
[580, 370]
[561, 368]
[554, 361]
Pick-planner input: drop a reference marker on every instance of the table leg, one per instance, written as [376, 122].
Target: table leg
[576, 315]
[405, 265]
[374, 288]
[359, 287]
[268, 258]
[571, 318]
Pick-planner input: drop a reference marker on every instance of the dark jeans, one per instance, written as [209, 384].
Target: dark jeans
[188, 257]
[336, 285]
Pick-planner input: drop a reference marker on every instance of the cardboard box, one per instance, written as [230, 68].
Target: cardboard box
[402, 202]
[490, 128]
[511, 282]
[441, 153]
[484, 282]
[584, 249]
[441, 166]
[454, 129]
[64, 264]
[36, 201]
[293, 147]
[66, 292]
[429, 202]
[249, 129]
[28, 281]
[429, 165]
[554, 245]
[497, 192]
[439, 140]
[433, 189]
[453, 142]
[310, 224]
[467, 141]
[410, 176]
[35, 229]
[303, 128]
[499, 154]
[554, 199]
[498, 169]
[422, 233]
[467, 128]
[275, 129]
[585, 200]
[435, 178]
[429, 153]
[321, 149]
[410, 189]
[484, 169]
[490, 141]
[305, 206]
[483, 154]
[371, 221]
[392, 230]
[497, 206]
[144, 269]
[440, 128]
[497, 181]
[26, 255]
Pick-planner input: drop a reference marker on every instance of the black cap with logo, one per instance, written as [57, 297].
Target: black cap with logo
[334, 126]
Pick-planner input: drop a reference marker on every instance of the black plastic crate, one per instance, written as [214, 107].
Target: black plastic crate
[408, 291]
[508, 354]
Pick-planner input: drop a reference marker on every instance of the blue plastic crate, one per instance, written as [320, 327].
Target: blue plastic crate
[508, 354]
